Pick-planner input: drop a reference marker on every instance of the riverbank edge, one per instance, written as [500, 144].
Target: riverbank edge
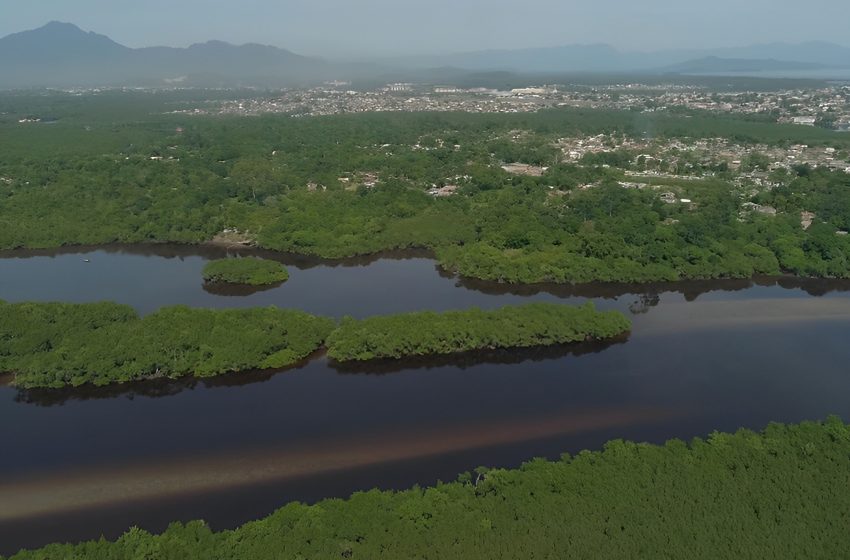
[397, 253]
[716, 472]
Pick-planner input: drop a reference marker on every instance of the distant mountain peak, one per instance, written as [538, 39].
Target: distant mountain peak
[58, 35]
[60, 54]
[213, 43]
[59, 25]
[60, 29]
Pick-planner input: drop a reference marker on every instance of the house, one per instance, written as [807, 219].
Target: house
[806, 219]
[805, 121]
[446, 190]
[753, 207]
[524, 169]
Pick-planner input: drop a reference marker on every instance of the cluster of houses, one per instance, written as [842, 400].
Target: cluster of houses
[681, 156]
[828, 106]
[328, 100]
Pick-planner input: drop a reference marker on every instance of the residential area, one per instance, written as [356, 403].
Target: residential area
[827, 107]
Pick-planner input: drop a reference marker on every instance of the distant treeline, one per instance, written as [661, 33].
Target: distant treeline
[54, 345]
[782, 493]
[427, 333]
[356, 184]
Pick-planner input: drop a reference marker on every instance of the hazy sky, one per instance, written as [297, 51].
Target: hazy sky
[351, 28]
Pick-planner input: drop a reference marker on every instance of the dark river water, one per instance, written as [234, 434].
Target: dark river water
[702, 356]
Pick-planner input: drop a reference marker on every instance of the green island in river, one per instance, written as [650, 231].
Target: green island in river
[248, 271]
[745, 495]
[54, 345]
[428, 333]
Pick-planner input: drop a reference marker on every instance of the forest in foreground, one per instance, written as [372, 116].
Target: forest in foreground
[779, 493]
[122, 167]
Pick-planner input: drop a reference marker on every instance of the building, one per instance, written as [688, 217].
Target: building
[805, 121]
[534, 91]
[399, 87]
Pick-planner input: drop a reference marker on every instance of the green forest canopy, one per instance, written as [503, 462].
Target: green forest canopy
[429, 333]
[54, 345]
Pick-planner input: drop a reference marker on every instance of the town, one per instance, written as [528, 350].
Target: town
[827, 107]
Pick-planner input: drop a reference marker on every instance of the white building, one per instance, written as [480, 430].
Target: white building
[805, 121]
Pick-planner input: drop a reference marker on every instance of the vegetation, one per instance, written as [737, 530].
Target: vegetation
[782, 493]
[117, 169]
[417, 334]
[57, 345]
[251, 271]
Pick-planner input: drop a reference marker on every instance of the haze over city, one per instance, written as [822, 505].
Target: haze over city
[380, 28]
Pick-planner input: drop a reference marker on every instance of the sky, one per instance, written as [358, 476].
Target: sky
[346, 29]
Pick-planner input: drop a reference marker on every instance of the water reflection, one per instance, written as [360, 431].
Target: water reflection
[644, 303]
[160, 388]
[689, 289]
[237, 290]
[211, 251]
[376, 270]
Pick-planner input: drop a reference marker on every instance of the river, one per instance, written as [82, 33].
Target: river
[702, 356]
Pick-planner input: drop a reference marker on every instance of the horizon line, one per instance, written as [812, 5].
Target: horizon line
[429, 54]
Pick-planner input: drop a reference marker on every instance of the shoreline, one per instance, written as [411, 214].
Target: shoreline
[33, 496]
[212, 249]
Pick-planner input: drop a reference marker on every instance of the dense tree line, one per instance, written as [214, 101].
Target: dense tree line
[781, 493]
[427, 333]
[54, 345]
[250, 271]
[57, 344]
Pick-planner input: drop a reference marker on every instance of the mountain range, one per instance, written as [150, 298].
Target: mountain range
[62, 55]
[605, 58]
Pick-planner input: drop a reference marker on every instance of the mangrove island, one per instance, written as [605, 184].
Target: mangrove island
[247, 271]
[428, 333]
